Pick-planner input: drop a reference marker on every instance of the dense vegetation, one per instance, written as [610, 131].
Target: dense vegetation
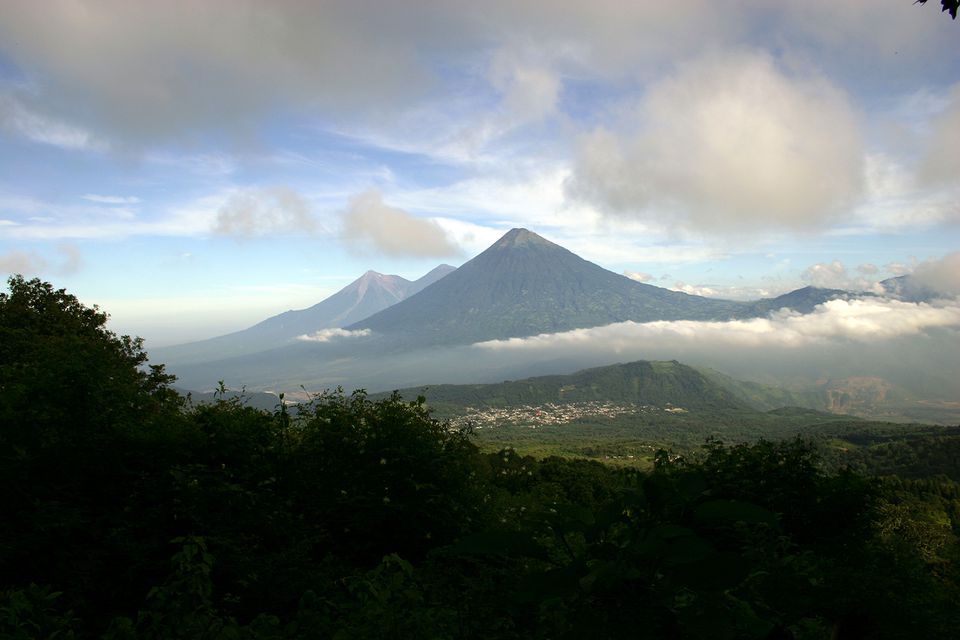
[128, 513]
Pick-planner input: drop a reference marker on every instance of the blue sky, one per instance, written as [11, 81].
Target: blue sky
[194, 167]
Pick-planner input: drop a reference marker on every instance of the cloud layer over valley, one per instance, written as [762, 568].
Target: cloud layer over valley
[916, 345]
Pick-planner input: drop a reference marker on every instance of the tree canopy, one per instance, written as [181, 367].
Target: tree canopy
[128, 514]
[65, 377]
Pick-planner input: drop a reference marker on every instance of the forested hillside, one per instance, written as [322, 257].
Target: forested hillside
[129, 514]
[640, 382]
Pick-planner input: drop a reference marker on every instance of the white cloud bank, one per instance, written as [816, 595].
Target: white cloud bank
[728, 142]
[326, 335]
[860, 321]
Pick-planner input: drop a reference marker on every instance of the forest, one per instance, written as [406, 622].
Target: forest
[131, 512]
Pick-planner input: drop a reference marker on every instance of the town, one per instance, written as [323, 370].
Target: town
[550, 414]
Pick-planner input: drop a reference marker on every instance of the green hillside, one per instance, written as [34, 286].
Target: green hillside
[765, 397]
[637, 383]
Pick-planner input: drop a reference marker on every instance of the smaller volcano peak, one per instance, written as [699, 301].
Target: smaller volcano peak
[395, 285]
[520, 237]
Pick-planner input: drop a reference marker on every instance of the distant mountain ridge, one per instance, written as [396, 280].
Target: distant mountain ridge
[522, 285]
[366, 295]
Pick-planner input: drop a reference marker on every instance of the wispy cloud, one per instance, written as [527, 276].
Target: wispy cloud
[93, 197]
[20, 119]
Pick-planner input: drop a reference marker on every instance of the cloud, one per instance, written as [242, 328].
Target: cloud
[33, 263]
[732, 292]
[941, 275]
[150, 71]
[159, 70]
[72, 259]
[144, 72]
[858, 321]
[92, 197]
[728, 142]
[22, 262]
[834, 275]
[326, 335]
[370, 224]
[901, 268]
[18, 118]
[942, 154]
[914, 345]
[638, 276]
[898, 197]
[706, 291]
[260, 212]
[202, 164]
[529, 90]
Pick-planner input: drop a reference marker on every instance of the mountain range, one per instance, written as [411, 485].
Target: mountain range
[365, 296]
[384, 332]
[525, 285]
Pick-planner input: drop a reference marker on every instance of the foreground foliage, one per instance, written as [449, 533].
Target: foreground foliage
[129, 515]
